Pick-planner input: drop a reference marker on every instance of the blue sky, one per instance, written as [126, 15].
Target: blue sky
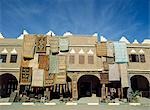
[111, 18]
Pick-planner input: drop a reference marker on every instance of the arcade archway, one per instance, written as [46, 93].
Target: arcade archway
[140, 83]
[8, 83]
[89, 85]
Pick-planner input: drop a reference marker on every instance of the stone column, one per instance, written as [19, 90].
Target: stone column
[103, 94]
[74, 87]
[18, 87]
[106, 91]
[119, 93]
[129, 89]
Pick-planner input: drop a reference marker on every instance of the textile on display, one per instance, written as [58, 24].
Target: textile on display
[38, 78]
[114, 73]
[121, 55]
[63, 44]
[41, 44]
[28, 46]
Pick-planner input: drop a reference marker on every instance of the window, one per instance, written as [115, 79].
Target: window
[134, 58]
[71, 59]
[13, 58]
[3, 58]
[142, 57]
[81, 59]
[90, 59]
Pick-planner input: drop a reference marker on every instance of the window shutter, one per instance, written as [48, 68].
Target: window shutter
[130, 58]
[3, 57]
[142, 58]
[81, 59]
[90, 59]
[71, 59]
[13, 58]
[137, 58]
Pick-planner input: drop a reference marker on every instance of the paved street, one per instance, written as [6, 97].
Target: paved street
[82, 104]
[40, 106]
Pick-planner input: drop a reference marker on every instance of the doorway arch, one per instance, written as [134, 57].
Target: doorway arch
[89, 85]
[8, 83]
[140, 83]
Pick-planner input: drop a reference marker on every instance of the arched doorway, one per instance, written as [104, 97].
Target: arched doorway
[140, 83]
[8, 83]
[88, 85]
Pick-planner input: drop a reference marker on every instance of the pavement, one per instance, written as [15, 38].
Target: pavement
[88, 100]
[144, 100]
[40, 106]
[86, 103]
[4, 100]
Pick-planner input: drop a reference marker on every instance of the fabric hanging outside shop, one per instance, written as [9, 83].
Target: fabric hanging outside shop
[54, 44]
[38, 78]
[41, 44]
[49, 79]
[103, 59]
[63, 44]
[34, 62]
[48, 40]
[124, 75]
[25, 76]
[62, 63]
[28, 46]
[53, 64]
[104, 78]
[25, 63]
[114, 73]
[110, 49]
[121, 55]
[44, 62]
[110, 60]
[60, 78]
[106, 66]
[101, 49]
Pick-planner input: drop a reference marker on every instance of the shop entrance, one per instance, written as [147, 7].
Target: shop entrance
[89, 85]
[8, 83]
[140, 83]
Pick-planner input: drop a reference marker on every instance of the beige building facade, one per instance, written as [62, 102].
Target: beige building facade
[139, 67]
[73, 66]
[10, 53]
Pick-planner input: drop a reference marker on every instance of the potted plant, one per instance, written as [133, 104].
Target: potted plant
[134, 96]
